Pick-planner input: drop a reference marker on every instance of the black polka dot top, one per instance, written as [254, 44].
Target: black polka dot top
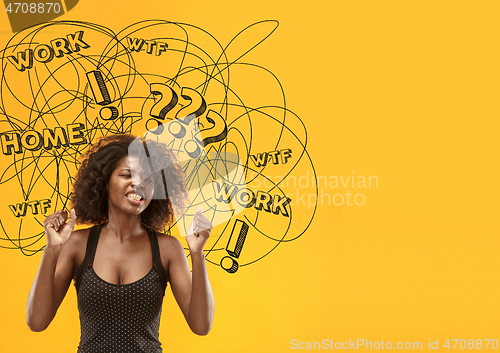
[119, 318]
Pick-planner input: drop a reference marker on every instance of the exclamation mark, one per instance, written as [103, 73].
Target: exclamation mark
[101, 95]
[234, 246]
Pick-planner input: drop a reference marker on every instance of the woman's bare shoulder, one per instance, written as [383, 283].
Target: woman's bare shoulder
[73, 251]
[170, 246]
[77, 241]
[80, 235]
[166, 240]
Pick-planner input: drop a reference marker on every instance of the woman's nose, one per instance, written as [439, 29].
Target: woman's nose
[137, 181]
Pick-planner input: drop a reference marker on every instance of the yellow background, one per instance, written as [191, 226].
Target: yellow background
[405, 91]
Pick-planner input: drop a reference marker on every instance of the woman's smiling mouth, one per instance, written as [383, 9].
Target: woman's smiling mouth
[133, 196]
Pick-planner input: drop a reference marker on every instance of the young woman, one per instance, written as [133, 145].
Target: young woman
[121, 266]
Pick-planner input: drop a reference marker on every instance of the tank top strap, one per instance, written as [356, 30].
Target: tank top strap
[155, 249]
[88, 260]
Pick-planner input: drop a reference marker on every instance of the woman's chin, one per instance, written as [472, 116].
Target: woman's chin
[141, 207]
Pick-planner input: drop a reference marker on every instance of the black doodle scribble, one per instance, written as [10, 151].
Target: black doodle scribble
[64, 84]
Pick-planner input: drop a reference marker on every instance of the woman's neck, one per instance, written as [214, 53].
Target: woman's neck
[124, 226]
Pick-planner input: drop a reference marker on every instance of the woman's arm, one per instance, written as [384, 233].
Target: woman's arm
[54, 274]
[193, 292]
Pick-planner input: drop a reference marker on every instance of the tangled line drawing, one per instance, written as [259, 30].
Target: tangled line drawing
[65, 84]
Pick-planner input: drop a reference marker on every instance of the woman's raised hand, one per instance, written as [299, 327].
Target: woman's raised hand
[57, 230]
[199, 231]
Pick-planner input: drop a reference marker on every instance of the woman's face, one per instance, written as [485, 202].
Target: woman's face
[130, 187]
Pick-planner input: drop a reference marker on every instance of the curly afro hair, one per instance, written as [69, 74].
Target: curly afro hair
[90, 199]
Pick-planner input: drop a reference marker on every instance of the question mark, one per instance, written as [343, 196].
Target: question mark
[159, 110]
[185, 116]
[217, 130]
[216, 125]
[195, 99]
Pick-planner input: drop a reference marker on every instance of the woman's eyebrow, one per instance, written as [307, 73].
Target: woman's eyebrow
[131, 170]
